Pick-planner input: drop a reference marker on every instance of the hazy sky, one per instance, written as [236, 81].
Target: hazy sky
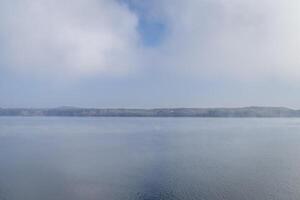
[141, 53]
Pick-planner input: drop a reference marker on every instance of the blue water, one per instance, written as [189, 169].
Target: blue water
[149, 159]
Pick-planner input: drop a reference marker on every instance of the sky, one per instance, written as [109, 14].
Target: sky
[149, 54]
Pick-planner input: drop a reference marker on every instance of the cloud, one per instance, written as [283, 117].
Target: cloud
[68, 36]
[246, 39]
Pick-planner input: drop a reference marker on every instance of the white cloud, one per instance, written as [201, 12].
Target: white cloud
[244, 39]
[69, 36]
[247, 39]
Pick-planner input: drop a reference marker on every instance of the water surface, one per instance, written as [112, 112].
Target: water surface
[149, 158]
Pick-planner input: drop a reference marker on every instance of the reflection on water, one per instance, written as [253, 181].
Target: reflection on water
[149, 158]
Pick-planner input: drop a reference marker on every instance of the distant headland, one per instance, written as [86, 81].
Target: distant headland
[157, 112]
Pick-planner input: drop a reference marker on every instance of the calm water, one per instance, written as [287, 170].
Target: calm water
[149, 159]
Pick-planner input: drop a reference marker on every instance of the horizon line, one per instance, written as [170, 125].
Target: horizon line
[150, 108]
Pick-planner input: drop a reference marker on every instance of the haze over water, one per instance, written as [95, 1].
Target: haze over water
[149, 158]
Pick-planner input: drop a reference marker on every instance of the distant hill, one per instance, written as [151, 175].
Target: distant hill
[159, 112]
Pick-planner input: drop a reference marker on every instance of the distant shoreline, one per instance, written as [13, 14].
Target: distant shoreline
[242, 112]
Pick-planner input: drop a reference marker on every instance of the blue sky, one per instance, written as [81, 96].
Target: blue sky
[138, 53]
